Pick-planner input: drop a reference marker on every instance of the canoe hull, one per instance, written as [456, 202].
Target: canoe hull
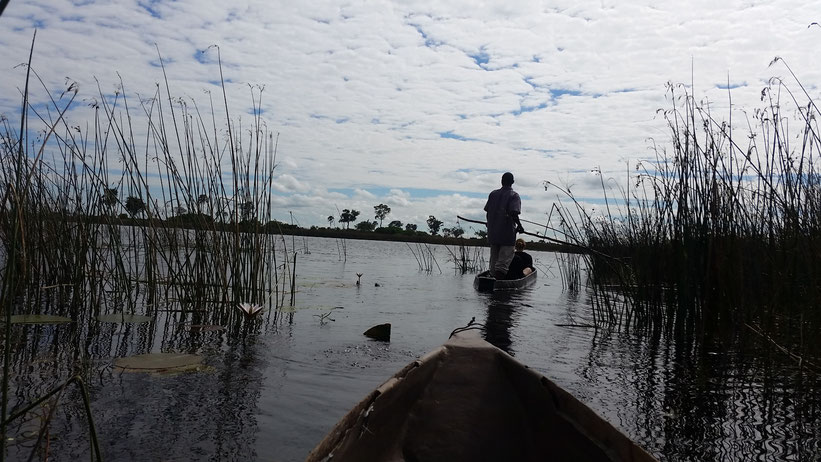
[484, 283]
[468, 401]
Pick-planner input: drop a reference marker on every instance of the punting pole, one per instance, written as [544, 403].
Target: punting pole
[555, 241]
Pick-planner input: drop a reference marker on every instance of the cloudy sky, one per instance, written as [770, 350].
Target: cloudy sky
[422, 105]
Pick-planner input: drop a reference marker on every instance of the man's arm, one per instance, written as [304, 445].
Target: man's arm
[518, 223]
[514, 211]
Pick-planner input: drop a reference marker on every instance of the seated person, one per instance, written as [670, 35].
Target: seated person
[522, 263]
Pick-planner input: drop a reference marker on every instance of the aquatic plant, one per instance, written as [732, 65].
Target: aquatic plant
[721, 228]
[249, 309]
[425, 258]
[198, 235]
[467, 259]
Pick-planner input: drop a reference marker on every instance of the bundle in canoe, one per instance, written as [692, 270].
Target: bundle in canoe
[484, 282]
[470, 401]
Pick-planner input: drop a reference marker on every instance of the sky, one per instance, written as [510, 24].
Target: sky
[422, 105]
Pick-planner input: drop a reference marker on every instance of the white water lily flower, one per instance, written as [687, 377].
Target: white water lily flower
[249, 308]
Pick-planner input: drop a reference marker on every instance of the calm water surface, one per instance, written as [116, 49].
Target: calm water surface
[272, 391]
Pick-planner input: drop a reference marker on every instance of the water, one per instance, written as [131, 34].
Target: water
[272, 391]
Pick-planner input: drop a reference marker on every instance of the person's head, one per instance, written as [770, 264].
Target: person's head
[507, 179]
[520, 245]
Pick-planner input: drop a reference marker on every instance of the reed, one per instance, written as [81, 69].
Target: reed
[721, 227]
[466, 259]
[198, 236]
[425, 258]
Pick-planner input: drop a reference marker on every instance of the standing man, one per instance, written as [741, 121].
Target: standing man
[503, 208]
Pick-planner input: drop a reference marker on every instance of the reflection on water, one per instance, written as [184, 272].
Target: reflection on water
[502, 307]
[271, 388]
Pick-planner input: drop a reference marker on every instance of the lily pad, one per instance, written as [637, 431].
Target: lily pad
[38, 319]
[124, 318]
[159, 362]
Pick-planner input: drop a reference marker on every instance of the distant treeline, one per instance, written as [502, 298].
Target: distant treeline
[201, 220]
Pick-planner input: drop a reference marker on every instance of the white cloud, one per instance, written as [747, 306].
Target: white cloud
[363, 194]
[288, 184]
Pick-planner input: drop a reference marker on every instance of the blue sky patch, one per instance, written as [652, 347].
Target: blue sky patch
[529, 109]
[732, 86]
[201, 57]
[217, 83]
[429, 42]
[453, 136]
[536, 86]
[415, 193]
[479, 170]
[548, 152]
[481, 58]
[150, 7]
[557, 93]
[36, 23]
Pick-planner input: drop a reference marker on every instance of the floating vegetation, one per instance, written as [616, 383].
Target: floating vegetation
[160, 363]
[38, 319]
[124, 318]
[325, 317]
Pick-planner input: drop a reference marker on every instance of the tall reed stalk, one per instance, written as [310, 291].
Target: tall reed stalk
[145, 207]
[466, 259]
[722, 227]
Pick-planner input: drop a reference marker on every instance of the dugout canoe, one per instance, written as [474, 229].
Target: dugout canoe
[470, 401]
[483, 282]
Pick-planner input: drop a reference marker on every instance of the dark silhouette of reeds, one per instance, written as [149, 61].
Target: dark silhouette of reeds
[197, 242]
[466, 259]
[722, 227]
[203, 236]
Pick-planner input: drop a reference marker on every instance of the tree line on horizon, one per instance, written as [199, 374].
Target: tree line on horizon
[136, 207]
[381, 211]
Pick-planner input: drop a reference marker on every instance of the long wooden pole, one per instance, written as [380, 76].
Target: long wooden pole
[550, 239]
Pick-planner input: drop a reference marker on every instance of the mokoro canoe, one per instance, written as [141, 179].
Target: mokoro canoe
[483, 282]
[470, 401]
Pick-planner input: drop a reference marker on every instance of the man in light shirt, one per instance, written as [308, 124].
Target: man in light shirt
[503, 208]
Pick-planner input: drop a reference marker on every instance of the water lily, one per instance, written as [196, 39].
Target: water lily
[249, 309]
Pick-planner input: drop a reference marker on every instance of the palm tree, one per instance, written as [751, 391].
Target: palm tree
[134, 206]
[380, 212]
